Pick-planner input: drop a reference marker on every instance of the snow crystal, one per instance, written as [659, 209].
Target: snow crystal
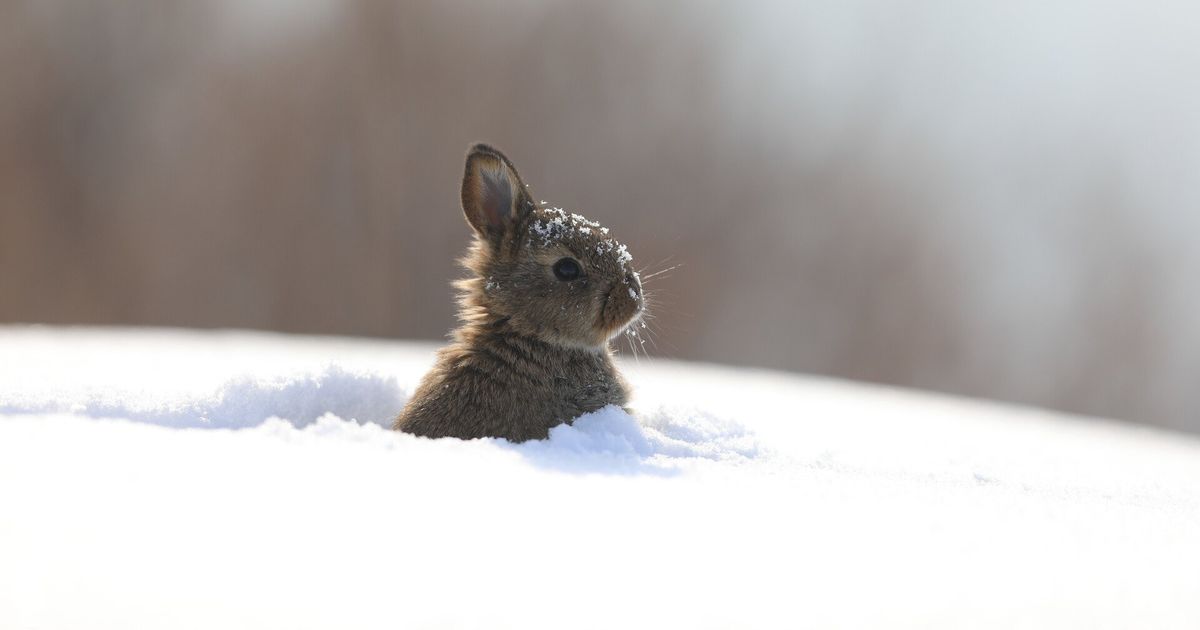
[562, 224]
[609, 245]
[623, 255]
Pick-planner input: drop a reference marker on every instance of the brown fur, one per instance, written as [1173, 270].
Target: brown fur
[532, 351]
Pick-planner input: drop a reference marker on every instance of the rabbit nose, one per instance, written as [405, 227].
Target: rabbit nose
[635, 286]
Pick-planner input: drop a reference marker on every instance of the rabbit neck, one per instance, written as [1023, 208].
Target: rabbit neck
[499, 336]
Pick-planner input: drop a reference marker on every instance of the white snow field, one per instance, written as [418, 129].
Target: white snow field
[178, 479]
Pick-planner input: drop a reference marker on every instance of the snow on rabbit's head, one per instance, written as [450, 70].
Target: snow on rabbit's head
[548, 273]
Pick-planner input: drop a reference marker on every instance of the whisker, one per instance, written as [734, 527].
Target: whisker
[657, 264]
[661, 271]
[653, 342]
[652, 331]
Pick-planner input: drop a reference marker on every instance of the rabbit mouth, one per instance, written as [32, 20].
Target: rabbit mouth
[622, 305]
[613, 333]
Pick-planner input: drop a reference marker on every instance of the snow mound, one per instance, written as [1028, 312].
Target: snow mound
[157, 478]
[240, 403]
[608, 440]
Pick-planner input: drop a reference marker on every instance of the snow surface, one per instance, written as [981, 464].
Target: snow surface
[176, 479]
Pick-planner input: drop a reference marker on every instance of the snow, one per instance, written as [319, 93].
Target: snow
[165, 478]
[563, 224]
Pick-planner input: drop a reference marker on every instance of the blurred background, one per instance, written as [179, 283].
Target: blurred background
[990, 199]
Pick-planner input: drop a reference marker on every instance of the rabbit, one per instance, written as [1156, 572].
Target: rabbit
[547, 292]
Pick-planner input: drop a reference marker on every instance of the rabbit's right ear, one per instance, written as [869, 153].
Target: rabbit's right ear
[493, 195]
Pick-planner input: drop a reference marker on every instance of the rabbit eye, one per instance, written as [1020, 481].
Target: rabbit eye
[566, 269]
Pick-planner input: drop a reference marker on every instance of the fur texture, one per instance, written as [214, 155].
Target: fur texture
[547, 292]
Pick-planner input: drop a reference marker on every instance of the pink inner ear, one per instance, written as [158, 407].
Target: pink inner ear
[495, 199]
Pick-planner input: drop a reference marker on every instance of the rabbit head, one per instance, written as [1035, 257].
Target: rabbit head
[543, 272]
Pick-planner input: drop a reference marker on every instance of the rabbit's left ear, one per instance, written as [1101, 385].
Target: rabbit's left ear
[493, 195]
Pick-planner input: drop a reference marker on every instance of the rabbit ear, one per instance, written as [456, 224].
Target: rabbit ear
[493, 196]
